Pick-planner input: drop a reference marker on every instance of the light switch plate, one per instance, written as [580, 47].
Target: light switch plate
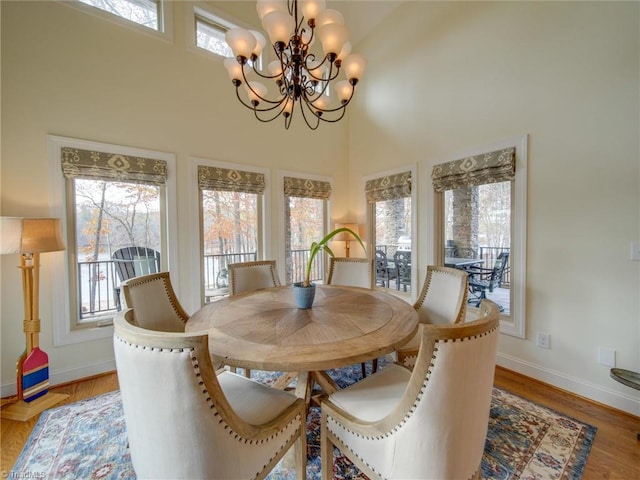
[635, 250]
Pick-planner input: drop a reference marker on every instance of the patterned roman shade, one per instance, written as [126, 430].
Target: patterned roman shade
[89, 164]
[390, 187]
[305, 188]
[230, 180]
[492, 167]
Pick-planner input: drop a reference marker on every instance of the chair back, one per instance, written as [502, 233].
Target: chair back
[499, 267]
[443, 297]
[450, 390]
[154, 303]
[402, 259]
[249, 276]
[383, 273]
[436, 424]
[185, 422]
[133, 262]
[351, 272]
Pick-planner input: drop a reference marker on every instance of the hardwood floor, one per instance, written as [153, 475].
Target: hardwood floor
[615, 453]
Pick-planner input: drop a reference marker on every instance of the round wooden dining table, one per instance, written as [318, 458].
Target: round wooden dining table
[265, 330]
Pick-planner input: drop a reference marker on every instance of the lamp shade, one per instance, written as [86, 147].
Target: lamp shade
[344, 236]
[30, 235]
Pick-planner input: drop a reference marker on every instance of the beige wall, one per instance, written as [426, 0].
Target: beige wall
[448, 77]
[68, 73]
[442, 78]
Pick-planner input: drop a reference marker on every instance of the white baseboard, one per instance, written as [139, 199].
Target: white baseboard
[65, 376]
[618, 400]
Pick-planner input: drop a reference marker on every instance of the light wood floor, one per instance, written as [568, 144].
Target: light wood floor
[615, 453]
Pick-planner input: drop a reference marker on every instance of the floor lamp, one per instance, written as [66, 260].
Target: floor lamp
[30, 237]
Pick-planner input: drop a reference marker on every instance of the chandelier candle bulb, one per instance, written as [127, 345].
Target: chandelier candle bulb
[311, 8]
[329, 16]
[279, 26]
[260, 43]
[234, 69]
[264, 7]
[241, 41]
[333, 36]
[353, 66]
[256, 92]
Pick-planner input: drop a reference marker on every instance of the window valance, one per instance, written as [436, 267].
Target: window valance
[89, 164]
[230, 180]
[306, 188]
[390, 187]
[492, 167]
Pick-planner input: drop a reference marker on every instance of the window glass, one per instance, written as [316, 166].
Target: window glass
[115, 224]
[211, 36]
[305, 221]
[230, 226]
[392, 240]
[142, 12]
[477, 234]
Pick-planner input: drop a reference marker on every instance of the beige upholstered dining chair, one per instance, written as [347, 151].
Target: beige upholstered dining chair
[427, 423]
[442, 301]
[184, 421]
[249, 276]
[154, 303]
[351, 272]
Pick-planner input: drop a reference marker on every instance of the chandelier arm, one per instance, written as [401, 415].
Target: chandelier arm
[275, 103]
[254, 108]
[304, 115]
[333, 120]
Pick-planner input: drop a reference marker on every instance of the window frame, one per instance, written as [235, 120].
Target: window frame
[197, 242]
[370, 212]
[65, 328]
[165, 18]
[515, 323]
[282, 254]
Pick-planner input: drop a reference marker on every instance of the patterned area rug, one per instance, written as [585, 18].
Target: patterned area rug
[87, 440]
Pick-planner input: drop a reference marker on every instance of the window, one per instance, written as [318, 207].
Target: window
[231, 223]
[482, 199]
[210, 35]
[390, 203]
[109, 198]
[147, 13]
[306, 218]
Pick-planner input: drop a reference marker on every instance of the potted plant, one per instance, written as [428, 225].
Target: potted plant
[305, 291]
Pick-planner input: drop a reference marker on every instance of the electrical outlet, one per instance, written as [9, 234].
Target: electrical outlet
[543, 340]
[607, 357]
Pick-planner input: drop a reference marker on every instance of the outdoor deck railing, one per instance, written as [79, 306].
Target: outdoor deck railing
[98, 282]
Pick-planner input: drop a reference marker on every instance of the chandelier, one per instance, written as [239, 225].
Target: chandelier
[303, 79]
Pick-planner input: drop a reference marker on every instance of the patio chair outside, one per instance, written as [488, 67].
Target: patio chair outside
[130, 262]
[482, 280]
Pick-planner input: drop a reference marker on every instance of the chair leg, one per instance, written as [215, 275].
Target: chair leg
[363, 365]
[326, 450]
[374, 365]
